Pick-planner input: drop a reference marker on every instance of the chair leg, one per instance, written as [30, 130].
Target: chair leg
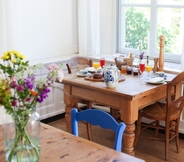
[167, 132]
[138, 129]
[88, 126]
[177, 135]
[156, 129]
[89, 105]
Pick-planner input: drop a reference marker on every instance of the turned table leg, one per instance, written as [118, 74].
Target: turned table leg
[70, 102]
[128, 139]
[129, 114]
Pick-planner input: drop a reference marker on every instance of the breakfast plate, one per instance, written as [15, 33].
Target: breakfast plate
[157, 80]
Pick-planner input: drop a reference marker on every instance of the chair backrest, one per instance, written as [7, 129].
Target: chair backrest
[78, 60]
[99, 118]
[175, 99]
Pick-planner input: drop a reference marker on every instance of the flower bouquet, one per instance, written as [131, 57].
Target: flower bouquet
[141, 56]
[20, 92]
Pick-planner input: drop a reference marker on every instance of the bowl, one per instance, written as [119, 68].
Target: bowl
[83, 72]
[160, 74]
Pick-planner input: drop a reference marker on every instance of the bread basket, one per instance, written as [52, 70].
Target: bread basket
[124, 61]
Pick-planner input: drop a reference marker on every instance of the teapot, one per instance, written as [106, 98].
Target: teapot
[111, 76]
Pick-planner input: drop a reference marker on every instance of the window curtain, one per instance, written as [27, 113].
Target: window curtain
[182, 56]
[7, 25]
[2, 27]
[89, 27]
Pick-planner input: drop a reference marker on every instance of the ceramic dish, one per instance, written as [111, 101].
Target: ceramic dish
[157, 80]
[90, 69]
[83, 75]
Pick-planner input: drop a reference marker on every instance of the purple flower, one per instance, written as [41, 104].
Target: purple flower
[43, 95]
[14, 103]
[13, 84]
[29, 82]
[50, 81]
[52, 67]
[20, 88]
[142, 55]
[26, 100]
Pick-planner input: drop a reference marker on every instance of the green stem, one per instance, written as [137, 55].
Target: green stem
[21, 135]
[35, 148]
[14, 147]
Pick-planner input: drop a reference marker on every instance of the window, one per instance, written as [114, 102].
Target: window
[142, 22]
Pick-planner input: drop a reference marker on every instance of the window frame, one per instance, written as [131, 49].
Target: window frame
[169, 57]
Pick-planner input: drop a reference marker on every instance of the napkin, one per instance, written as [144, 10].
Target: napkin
[90, 69]
[156, 80]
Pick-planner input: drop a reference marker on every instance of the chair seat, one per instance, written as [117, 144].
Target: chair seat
[157, 111]
[168, 112]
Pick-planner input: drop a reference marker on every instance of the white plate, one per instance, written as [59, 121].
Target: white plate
[90, 69]
[82, 75]
[157, 80]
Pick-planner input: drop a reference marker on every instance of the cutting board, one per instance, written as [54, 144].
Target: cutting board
[90, 78]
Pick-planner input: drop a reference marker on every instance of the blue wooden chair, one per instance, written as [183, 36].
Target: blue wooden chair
[103, 119]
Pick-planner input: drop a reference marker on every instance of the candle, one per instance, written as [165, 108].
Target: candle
[148, 44]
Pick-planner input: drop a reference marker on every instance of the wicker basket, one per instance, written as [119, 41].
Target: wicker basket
[126, 61]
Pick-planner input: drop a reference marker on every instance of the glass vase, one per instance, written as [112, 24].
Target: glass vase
[21, 133]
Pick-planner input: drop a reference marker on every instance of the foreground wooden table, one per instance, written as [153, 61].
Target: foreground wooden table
[60, 146]
[129, 96]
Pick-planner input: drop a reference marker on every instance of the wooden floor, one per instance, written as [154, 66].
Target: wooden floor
[150, 151]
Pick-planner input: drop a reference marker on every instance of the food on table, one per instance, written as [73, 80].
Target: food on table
[97, 75]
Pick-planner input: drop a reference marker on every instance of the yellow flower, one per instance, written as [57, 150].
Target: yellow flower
[3, 87]
[13, 61]
[21, 56]
[14, 51]
[10, 52]
[3, 84]
[5, 56]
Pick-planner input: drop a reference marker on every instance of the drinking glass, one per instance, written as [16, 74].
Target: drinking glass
[148, 69]
[102, 62]
[135, 71]
[96, 65]
[142, 67]
[123, 69]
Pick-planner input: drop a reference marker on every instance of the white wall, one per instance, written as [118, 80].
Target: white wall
[108, 26]
[38, 28]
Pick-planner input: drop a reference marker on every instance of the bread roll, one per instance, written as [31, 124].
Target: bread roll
[97, 75]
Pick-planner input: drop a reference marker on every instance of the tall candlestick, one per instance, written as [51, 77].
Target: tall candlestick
[161, 55]
[148, 43]
[147, 60]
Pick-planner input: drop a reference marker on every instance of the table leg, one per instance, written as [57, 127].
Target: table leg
[128, 139]
[129, 114]
[70, 102]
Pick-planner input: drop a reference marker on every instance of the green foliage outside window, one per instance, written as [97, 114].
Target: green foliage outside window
[137, 28]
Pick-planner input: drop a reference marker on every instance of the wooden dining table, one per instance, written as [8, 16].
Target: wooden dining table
[60, 146]
[128, 97]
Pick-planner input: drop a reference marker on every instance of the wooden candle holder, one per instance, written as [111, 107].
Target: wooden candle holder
[161, 55]
[155, 68]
